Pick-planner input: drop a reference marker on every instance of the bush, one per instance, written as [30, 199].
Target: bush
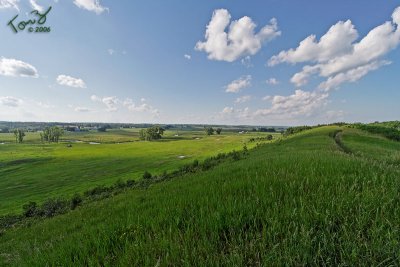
[390, 133]
[130, 183]
[76, 200]
[98, 190]
[235, 155]
[195, 163]
[30, 209]
[147, 175]
[119, 184]
[52, 207]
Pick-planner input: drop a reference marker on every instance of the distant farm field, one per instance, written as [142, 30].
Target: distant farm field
[33, 171]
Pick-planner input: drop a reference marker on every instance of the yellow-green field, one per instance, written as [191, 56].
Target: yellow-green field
[33, 171]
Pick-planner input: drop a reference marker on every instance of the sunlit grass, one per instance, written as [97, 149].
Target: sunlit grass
[300, 201]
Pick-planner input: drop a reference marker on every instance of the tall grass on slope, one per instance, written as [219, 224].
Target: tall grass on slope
[296, 202]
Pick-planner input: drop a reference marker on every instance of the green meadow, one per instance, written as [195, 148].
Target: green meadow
[33, 171]
[326, 196]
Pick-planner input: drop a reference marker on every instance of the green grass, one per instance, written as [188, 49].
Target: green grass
[300, 201]
[34, 172]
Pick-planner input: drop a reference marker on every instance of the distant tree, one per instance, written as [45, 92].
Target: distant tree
[209, 130]
[269, 137]
[52, 134]
[152, 133]
[19, 135]
[218, 131]
[102, 129]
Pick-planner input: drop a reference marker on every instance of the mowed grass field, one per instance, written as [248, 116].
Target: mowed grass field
[299, 201]
[33, 171]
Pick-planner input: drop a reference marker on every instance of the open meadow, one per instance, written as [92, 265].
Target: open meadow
[34, 171]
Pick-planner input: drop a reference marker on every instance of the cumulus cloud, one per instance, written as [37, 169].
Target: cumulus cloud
[10, 101]
[337, 56]
[9, 4]
[237, 85]
[242, 99]
[352, 75]
[16, 68]
[111, 51]
[188, 57]
[91, 5]
[142, 107]
[272, 81]
[301, 103]
[111, 103]
[240, 40]
[336, 42]
[230, 113]
[70, 81]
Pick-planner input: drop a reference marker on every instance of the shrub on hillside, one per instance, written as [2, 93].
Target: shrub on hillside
[53, 206]
[147, 175]
[30, 209]
[76, 200]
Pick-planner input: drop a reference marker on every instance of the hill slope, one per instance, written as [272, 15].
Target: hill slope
[300, 201]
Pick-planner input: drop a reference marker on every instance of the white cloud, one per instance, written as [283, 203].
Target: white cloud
[237, 85]
[234, 115]
[246, 61]
[36, 6]
[272, 81]
[301, 103]
[10, 101]
[9, 4]
[243, 99]
[111, 51]
[336, 42]
[91, 5]
[70, 81]
[95, 98]
[143, 107]
[111, 103]
[188, 57]
[82, 109]
[267, 97]
[16, 68]
[239, 41]
[337, 56]
[352, 75]
[227, 110]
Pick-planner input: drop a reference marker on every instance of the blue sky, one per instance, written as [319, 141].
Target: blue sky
[230, 62]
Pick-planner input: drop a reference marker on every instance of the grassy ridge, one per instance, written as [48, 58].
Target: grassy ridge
[34, 172]
[297, 202]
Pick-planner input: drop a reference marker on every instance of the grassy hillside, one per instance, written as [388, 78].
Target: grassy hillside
[301, 201]
[33, 171]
